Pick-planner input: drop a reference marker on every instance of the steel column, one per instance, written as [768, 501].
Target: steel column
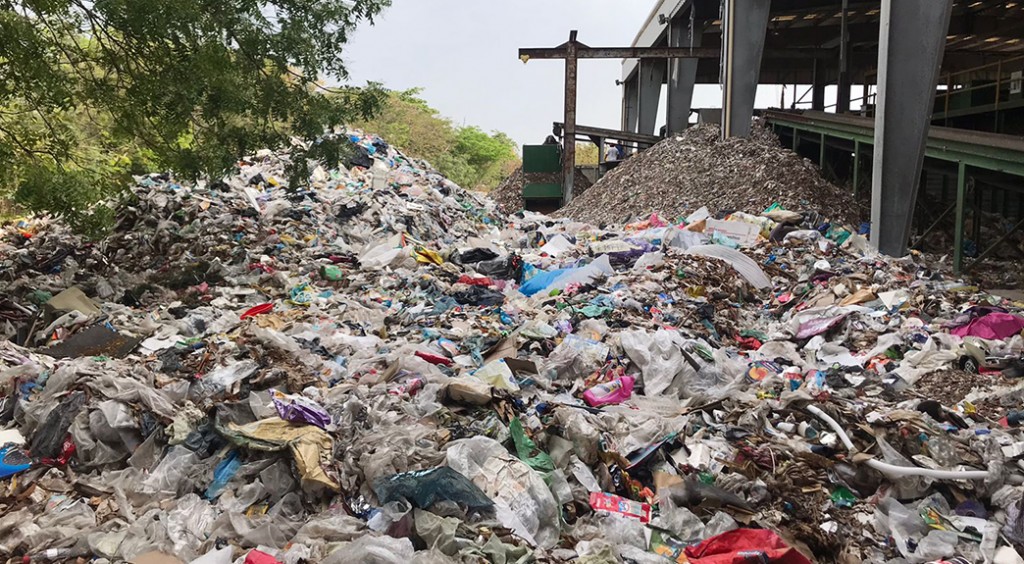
[631, 104]
[856, 168]
[821, 155]
[843, 84]
[682, 72]
[652, 76]
[958, 232]
[911, 43]
[744, 26]
[818, 87]
[569, 135]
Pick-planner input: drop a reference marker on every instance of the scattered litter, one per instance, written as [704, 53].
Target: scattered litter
[383, 367]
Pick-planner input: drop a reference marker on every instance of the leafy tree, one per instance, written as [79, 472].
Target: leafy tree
[93, 89]
[468, 155]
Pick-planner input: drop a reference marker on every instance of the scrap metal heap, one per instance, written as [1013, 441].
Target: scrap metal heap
[381, 367]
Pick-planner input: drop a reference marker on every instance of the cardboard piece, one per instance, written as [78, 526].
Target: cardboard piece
[73, 299]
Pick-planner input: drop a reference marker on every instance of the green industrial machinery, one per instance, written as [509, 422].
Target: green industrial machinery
[544, 173]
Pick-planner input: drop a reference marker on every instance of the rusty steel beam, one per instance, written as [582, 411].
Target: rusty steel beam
[584, 52]
[569, 139]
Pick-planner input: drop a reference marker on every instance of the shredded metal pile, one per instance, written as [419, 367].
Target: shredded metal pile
[681, 174]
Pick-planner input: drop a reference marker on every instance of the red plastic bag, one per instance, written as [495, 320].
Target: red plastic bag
[745, 546]
[258, 310]
[434, 359]
[257, 557]
[67, 450]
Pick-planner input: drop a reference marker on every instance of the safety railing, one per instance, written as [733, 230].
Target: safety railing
[959, 83]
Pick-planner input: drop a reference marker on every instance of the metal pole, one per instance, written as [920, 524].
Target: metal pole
[999, 87]
[958, 233]
[569, 135]
[856, 168]
[843, 84]
[821, 155]
[976, 216]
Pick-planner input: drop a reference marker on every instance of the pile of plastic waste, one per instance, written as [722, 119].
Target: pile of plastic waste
[380, 367]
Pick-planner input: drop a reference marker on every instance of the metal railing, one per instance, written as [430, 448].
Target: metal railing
[956, 82]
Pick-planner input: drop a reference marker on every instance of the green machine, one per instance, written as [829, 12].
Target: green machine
[542, 177]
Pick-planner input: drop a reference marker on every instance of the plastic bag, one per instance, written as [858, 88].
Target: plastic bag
[424, 488]
[521, 497]
[373, 550]
[499, 375]
[658, 356]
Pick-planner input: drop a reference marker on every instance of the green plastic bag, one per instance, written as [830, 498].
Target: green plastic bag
[527, 450]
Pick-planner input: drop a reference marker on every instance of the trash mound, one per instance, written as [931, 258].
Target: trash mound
[381, 367]
[683, 173]
[509, 194]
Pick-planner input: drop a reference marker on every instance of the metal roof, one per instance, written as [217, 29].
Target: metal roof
[981, 32]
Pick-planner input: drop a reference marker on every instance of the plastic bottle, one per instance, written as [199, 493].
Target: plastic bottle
[50, 555]
[616, 391]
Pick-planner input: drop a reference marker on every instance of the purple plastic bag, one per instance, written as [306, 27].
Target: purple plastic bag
[299, 409]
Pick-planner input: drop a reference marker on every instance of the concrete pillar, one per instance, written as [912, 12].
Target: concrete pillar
[911, 44]
[631, 104]
[745, 24]
[682, 73]
[652, 76]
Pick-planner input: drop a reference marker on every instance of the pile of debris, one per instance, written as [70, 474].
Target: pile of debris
[383, 368]
[698, 168]
[509, 194]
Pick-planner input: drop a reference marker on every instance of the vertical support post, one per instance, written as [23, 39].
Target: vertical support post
[958, 233]
[652, 76]
[976, 214]
[796, 140]
[999, 89]
[856, 168]
[744, 26]
[569, 133]
[911, 43]
[843, 84]
[682, 73]
[821, 154]
[631, 104]
[818, 86]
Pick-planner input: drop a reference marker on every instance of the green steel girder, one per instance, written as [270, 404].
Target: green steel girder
[980, 156]
[942, 146]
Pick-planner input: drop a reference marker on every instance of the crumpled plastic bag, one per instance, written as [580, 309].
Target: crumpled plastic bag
[522, 499]
[373, 550]
[658, 356]
[309, 445]
[575, 357]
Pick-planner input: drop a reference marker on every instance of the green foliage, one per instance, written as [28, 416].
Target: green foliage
[468, 156]
[92, 90]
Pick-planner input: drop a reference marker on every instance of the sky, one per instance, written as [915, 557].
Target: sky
[464, 54]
